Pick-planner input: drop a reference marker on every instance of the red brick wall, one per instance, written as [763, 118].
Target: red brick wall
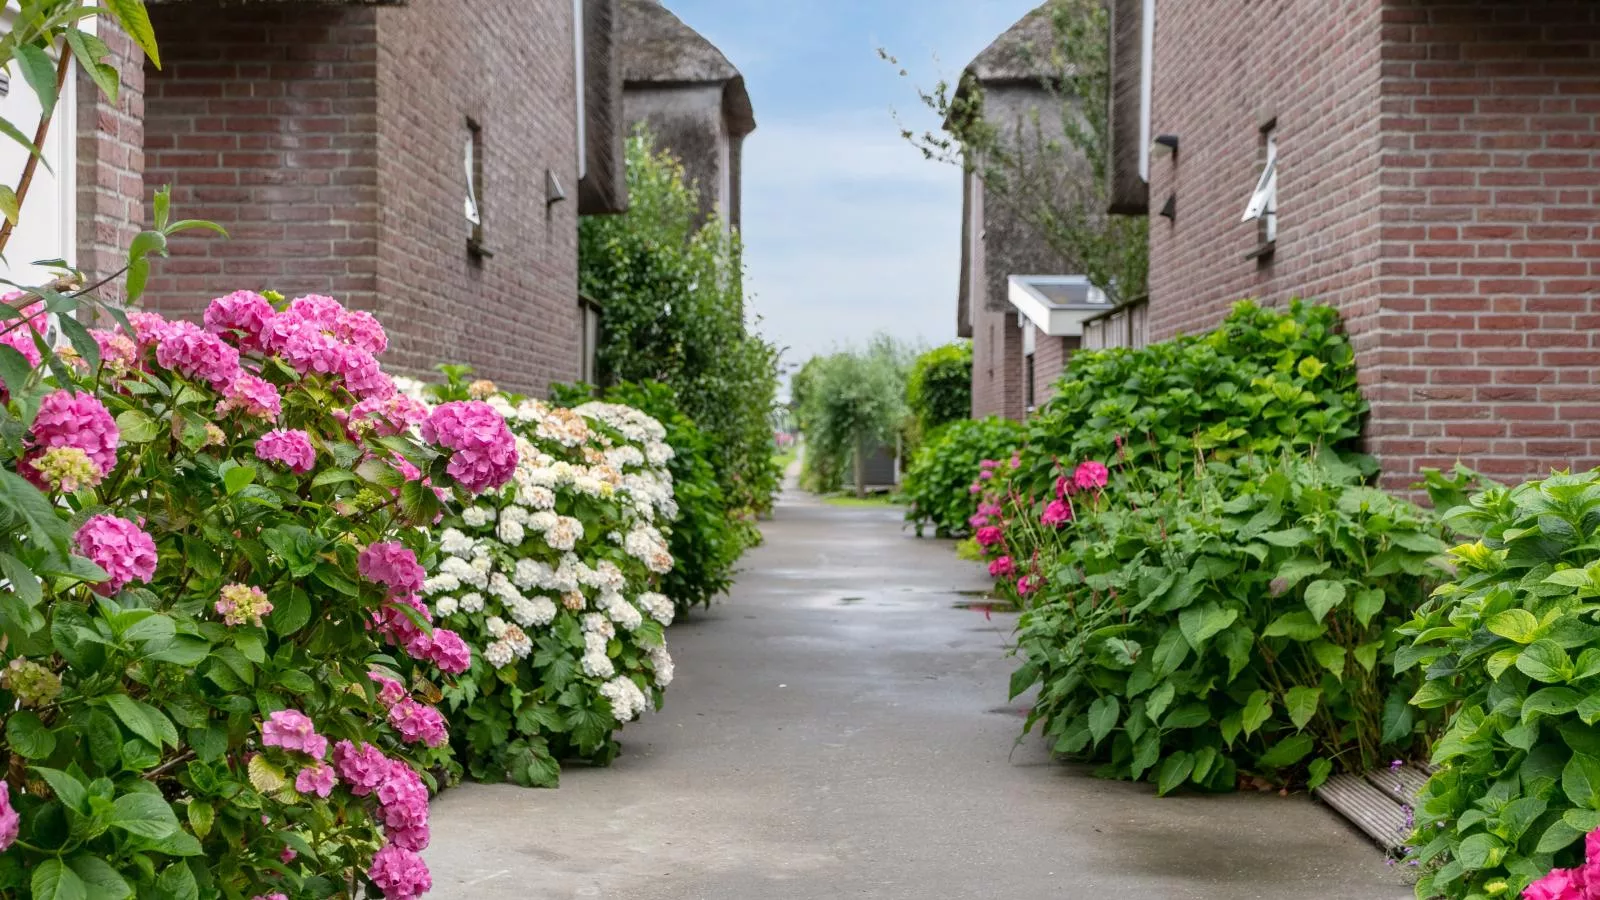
[996, 364]
[507, 64]
[1490, 274]
[1437, 183]
[329, 141]
[110, 162]
[264, 121]
[1049, 358]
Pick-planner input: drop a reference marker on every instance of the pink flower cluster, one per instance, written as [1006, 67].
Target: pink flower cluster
[242, 316]
[485, 454]
[393, 566]
[402, 809]
[190, 350]
[289, 448]
[10, 820]
[241, 604]
[253, 395]
[390, 691]
[120, 547]
[293, 730]
[1579, 883]
[316, 778]
[418, 722]
[392, 415]
[18, 334]
[68, 421]
[401, 874]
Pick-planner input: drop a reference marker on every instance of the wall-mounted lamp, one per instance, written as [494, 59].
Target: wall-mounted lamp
[553, 192]
[1169, 209]
[1165, 145]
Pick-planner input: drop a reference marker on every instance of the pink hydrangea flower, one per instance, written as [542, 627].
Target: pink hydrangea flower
[1027, 584]
[309, 351]
[117, 351]
[1090, 475]
[403, 807]
[399, 629]
[986, 475]
[1560, 884]
[392, 565]
[391, 415]
[485, 451]
[1057, 513]
[390, 691]
[1065, 488]
[978, 521]
[18, 333]
[189, 350]
[121, 548]
[293, 730]
[976, 488]
[399, 873]
[988, 464]
[1016, 460]
[418, 722]
[74, 420]
[361, 329]
[989, 509]
[147, 327]
[363, 377]
[289, 448]
[450, 652]
[323, 313]
[255, 396]
[10, 820]
[1002, 567]
[363, 768]
[280, 895]
[244, 315]
[989, 536]
[316, 778]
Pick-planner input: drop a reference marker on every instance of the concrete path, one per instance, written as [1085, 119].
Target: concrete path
[839, 729]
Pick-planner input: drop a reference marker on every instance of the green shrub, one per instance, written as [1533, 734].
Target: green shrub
[1236, 619]
[851, 402]
[1512, 645]
[939, 389]
[938, 485]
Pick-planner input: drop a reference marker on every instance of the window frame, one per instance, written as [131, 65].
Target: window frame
[472, 206]
[1262, 207]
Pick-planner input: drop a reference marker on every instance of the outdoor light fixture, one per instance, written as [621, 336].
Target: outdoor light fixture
[1165, 145]
[553, 192]
[1169, 210]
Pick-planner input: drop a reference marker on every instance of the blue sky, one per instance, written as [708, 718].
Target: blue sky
[848, 230]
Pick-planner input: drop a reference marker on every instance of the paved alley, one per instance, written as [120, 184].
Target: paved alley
[839, 729]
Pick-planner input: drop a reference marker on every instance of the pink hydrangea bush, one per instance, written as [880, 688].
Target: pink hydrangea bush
[554, 582]
[229, 645]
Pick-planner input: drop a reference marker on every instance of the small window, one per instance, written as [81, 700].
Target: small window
[1263, 205]
[591, 341]
[472, 160]
[1029, 348]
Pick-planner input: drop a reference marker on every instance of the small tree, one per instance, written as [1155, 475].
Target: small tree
[939, 389]
[1053, 179]
[852, 400]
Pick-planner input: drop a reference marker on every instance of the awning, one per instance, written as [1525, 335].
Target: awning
[1057, 305]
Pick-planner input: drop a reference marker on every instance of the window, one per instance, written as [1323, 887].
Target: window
[1263, 205]
[472, 160]
[591, 341]
[1029, 347]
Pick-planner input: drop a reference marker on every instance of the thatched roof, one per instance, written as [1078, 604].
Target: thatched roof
[1022, 53]
[659, 49]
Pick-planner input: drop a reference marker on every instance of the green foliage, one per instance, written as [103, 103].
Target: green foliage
[1233, 619]
[706, 540]
[938, 483]
[673, 299]
[939, 388]
[850, 401]
[1512, 646]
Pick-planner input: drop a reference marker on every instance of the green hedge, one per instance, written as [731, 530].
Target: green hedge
[938, 483]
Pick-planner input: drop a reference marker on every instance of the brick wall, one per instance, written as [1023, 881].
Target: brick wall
[996, 364]
[330, 140]
[264, 120]
[1490, 275]
[110, 162]
[509, 66]
[1049, 359]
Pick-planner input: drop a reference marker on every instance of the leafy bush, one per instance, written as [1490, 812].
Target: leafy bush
[1512, 645]
[203, 699]
[939, 484]
[851, 402]
[553, 581]
[706, 542]
[672, 289]
[1191, 627]
[939, 389]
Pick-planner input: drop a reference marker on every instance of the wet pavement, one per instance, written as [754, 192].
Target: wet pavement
[839, 728]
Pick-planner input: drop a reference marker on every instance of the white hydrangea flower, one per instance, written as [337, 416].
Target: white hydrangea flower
[445, 606]
[498, 654]
[532, 573]
[597, 624]
[659, 453]
[597, 665]
[517, 640]
[477, 516]
[441, 584]
[482, 550]
[480, 571]
[496, 626]
[461, 570]
[627, 701]
[543, 521]
[455, 543]
[501, 405]
[471, 603]
[514, 514]
[661, 663]
[565, 533]
[536, 496]
[533, 612]
[501, 586]
[619, 610]
[659, 606]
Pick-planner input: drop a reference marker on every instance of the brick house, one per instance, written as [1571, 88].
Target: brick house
[691, 98]
[423, 159]
[1023, 321]
[1429, 167]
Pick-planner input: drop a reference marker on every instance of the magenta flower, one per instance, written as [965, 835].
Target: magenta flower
[362, 375]
[289, 448]
[449, 652]
[1056, 514]
[391, 415]
[390, 691]
[1065, 488]
[403, 807]
[10, 820]
[418, 722]
[77, 421]
[978, 521]
[1002, 567]
[1560, 884]
[987, 464]
[255, 396]
[485, 451]
[189, 350]
[243, 315]
[1016, 460]
[360, 329]
[399, 629]
[1027, 584]
[976, 488]
[316, 310]
[120, 547]
[18, 334]
[989, 509]
[293, 730]
[316, 778]
[986, 475]
[362, 769]
[392, 565]
[989, 536]
[1090, 475]
[117, 350]
[400, 874]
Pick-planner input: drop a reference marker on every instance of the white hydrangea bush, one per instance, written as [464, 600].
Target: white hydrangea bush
[553, 583]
